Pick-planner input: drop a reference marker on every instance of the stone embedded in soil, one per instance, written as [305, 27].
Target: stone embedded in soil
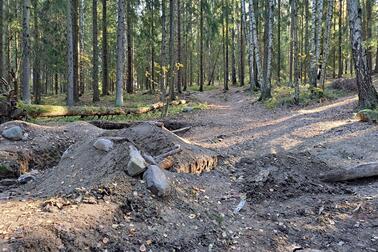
[103, 144]
[14, 133]
[27, 177]
[8, 182]
[187, 109]
[136, 164]
[156, 180]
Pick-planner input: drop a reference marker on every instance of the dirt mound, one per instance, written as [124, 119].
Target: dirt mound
[284, 176]
[349, 85]
[41, 147]
[82, 165]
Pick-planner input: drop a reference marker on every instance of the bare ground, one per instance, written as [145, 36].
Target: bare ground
[272, 157]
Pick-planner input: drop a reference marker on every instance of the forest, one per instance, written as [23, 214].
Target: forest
[180, 125]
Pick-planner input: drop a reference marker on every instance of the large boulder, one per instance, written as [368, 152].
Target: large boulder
[14, 133]
[156, 180]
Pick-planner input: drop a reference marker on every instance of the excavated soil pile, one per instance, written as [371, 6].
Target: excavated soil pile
[285, 176]
[84, 166]
[41, 146]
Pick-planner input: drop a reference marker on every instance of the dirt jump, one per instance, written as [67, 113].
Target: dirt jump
[235, 177]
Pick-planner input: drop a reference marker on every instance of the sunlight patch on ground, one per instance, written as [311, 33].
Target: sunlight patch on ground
[316, 129]
[326, 107]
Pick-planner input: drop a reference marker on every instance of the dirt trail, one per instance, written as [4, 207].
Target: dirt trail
[272, 157]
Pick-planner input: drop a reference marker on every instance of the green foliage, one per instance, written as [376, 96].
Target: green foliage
[368, 115]
[283, 96]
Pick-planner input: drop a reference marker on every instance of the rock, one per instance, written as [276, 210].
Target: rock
[137, 164]
[8, 182]
[187, 109]
[14, 133]
[30, 176]
[156, 180]
[103, 144]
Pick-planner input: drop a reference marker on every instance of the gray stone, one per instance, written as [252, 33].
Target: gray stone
[8, 182]
[156, 180]
[27, 177]
[103, 144]
[14, 133]
[137, 164]
[187, 109]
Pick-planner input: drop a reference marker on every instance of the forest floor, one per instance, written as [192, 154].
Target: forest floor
[271, 157]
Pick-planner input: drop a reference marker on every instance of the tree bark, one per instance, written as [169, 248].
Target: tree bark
[179, 48]
[75, 29]
[233, 60]
[317, 11]
[201, 47]
[105, 70]
[327, 38]
[279, 42]
[96, 95]
[369, 33]
[81, 64]
[242, 43]
[130, 70]
[70, 41]
[340, 48]
[120, 52]
[267, 71]
[26, 52]
[367, 94]
[36, 66]
[2, 39]
[255, 44]
[358, 172]
[163, 57]
[295, 48]
[171, 49]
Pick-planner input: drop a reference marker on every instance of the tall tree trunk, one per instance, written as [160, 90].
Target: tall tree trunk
[367, 94]
[201, 47]
[294, 13]
[233, 60]
[26, 52]
[120, 53]
[130, 70]
[226, 42]
[75, 28]
[369, 32]
[81, 64]
[171, 49]
[291, 46]
[152, 40]
[96, 95]
[242, 49]
[70, 41]
[36, 66]
[266, 84]
[179, 49]
[279, 42]
[307, 51]
[2, 38]
[317, 11]
[105, 70]
[255, 44]
[327, 38]
[340, 46]
[163, 57]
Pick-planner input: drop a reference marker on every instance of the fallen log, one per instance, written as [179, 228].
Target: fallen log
[60, 111]
[358, 172]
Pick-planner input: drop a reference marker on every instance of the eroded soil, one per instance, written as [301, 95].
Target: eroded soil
[274, 158]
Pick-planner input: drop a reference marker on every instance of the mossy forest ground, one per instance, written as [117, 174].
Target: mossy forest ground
[273, 157]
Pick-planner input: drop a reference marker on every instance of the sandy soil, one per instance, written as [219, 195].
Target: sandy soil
[273, 158]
